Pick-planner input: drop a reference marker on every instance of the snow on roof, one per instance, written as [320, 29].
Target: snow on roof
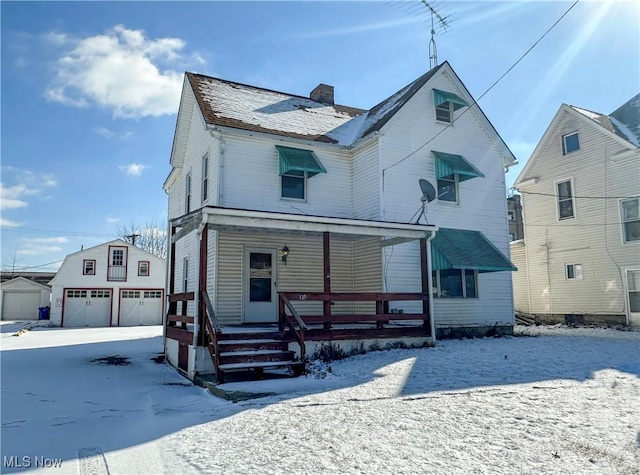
[247, 107]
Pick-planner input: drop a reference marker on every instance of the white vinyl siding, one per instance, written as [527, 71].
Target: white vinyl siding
[598, 244]
[366, 182]
[520, 278]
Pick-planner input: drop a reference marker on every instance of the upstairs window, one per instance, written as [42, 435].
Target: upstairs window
[296, 166]
[570, 143]
[185, 275]
[630, 211]
[187, 192]
[566, 201]
[450, 171]
[143, 268]
[446, 103]
[205, 177]
[448, 188]
[574, 272]
[89, 267]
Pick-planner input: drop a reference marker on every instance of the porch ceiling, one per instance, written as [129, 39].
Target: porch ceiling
[247, 220]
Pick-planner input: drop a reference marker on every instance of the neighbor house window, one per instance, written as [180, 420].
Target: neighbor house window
[448, 188]
[455, 283]
[187, 192]
[205, 177]
[89, 267]
[566, 201]
[570, 143]
[185, 274]
[143, 268]
[630, 210]
[511, 215]
[444, 112]
[294, 184]
[574, 272]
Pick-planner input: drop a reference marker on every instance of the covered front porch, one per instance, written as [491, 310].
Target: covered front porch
[270, 287]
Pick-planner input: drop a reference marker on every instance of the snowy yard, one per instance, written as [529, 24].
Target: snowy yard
[566, 401]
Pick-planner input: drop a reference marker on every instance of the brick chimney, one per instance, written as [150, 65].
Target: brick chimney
[322, 93]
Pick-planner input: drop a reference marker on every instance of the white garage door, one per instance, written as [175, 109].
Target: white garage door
[20, 305]
[87, 308]
[140, 307]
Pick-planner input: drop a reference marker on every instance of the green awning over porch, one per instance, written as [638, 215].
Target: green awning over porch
[463, 249]
[447, 164]
[296, 159]
[440, 97]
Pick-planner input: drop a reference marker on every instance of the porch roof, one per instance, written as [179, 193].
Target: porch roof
[231, 218]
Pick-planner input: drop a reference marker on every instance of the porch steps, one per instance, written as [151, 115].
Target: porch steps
[255, 351]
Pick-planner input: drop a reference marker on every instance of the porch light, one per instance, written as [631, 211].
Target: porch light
[284, 252]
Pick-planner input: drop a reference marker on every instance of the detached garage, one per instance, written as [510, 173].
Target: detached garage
[21, 298]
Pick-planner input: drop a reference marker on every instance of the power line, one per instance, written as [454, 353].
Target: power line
[579, 197]
[475, 102]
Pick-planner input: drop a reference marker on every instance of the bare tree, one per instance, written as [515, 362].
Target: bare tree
[150, 237]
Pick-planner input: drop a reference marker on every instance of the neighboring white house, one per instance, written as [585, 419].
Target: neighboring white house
[272, 193]
[580, 260]
[112, 284]
[21, 299]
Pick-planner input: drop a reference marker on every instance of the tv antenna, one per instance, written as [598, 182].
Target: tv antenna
[428, 195]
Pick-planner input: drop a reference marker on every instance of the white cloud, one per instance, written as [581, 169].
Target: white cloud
[28, 184]
[121, 70]
[133, 169]
[112, 220]
[51, 240]
[104, 132]
[36, 246]
[7, 223]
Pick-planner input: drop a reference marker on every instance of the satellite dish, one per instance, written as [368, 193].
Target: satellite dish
[428, 194]
[428, 191]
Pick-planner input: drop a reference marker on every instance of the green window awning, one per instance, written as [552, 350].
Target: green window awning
[463, 249]
[448, 164]
[440, 97]
[296, 159]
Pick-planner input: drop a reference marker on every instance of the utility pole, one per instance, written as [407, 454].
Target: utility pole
[133, 238]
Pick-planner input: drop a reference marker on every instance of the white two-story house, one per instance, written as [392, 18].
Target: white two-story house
[580, 257]
[304, 215]
[112, 284]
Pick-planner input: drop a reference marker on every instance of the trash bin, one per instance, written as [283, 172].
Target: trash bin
[43, 313]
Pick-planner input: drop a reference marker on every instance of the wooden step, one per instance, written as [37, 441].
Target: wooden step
[261, 364]
[253, 344]
[254, 335]
[259, 356]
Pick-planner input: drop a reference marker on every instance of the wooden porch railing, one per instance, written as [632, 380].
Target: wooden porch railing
[181, 333]
[380, 317]
[291, 321]
[213, 330]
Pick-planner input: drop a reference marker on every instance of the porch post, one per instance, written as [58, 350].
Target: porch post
[326, 254]
[424, 273]
[173, 306]
[202, 288]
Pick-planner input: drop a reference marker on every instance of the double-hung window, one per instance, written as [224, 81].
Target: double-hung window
[455, 283]
[143, 268]
[185, 274]
[570, 143]
[566, 200]
[448, 188]
[446, 103]
[296, 167]
[451, 170]
[187, 193]
[205, 177]
[294, 184]
[89, 267]
[630, 214]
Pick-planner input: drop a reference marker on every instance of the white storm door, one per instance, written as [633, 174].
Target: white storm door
[129, 308]
[259, 286]
[633, 295]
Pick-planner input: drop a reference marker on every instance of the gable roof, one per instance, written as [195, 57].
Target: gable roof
[30, 282]
[623, 125]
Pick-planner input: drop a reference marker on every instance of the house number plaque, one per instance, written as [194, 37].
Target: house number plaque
[302, 296]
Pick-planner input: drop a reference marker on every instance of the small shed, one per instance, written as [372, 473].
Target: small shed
[21, 298]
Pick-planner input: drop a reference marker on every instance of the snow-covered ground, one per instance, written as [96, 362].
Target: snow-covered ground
[566, 401]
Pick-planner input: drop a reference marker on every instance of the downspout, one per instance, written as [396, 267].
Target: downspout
[430, 280]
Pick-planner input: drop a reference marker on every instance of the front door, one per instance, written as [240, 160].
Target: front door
[259, 285]
[633, 293]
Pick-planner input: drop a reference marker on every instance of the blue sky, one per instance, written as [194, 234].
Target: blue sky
[90, 90]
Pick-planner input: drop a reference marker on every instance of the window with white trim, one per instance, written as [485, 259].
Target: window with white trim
[574, 272]
[630, 217]
[205, 177]
[448, 188]
[89, 267]
[294, 185]
[570, 143]
[444, 112]
[566, 201]
[185, 274]
[187, 193]
[455, 283]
